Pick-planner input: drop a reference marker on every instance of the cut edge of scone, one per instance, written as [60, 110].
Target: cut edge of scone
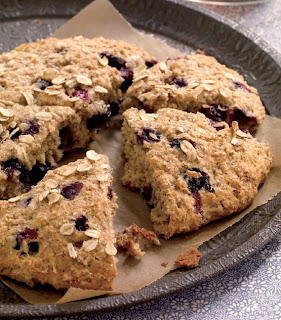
[190, 172]
[61, 232]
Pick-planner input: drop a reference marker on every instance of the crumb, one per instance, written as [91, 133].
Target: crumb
[128, 240]
[190, 259]
[164, 264]
[36, 20]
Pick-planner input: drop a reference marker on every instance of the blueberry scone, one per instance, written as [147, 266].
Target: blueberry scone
[60, 233]
[187, 170]
[197, 83]
[88, 75]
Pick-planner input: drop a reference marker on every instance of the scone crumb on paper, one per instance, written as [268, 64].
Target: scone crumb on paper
[164, 264]
[190, 259]
[128, 240]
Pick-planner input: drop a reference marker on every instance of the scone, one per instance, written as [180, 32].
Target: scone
[88, 75]
[197, 83]
[60, 233]
[189, 172]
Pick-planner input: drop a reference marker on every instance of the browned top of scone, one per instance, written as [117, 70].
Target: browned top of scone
[76, 72]
[197, 83]
[60, 233]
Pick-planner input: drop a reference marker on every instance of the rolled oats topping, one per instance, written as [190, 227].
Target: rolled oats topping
[67, 229]
[90, 245]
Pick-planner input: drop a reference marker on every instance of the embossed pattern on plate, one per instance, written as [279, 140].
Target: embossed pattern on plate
[185, 26]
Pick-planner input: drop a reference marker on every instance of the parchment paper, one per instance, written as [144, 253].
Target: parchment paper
[101, 19]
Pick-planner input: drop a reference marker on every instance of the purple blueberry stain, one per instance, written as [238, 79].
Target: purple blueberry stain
[218, 113]
[81, 223]
[196, 184]
[179, 82]
[150, 64]
[109, 192]
[80, 93]
[28, 178]
[71, 190]
[43, 84]
[33, 128]
[241, 86]
[27, 233]
[128, 76]
[148, 135]
[26, 202]
[176, 143]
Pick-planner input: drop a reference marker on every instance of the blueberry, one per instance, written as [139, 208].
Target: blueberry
[81, 223]
[71, 190]
[33, 247]
[196, 184]
[151, 63]
[128, 76]
[27, 233]
[113, 61]
[43, 84]
[148, 135]
[27, 202]
[176, 143]
[33, 128]
[179, 82]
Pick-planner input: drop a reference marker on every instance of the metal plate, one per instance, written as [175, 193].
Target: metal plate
[186, 26]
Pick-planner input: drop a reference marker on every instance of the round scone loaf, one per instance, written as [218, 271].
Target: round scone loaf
[187, 170]
[197, 83]
[60, 233]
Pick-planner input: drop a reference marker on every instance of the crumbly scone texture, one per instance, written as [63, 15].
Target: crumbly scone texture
[32, 137]
[60, 233]
[190, 259]
[129, 240]
[197, 83]
[188, 171]
[88, 75]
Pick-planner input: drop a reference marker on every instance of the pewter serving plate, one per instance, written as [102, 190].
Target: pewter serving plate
[186, 26]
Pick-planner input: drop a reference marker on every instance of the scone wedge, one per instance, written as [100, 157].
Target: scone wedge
[188, 171]
[60, 233]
